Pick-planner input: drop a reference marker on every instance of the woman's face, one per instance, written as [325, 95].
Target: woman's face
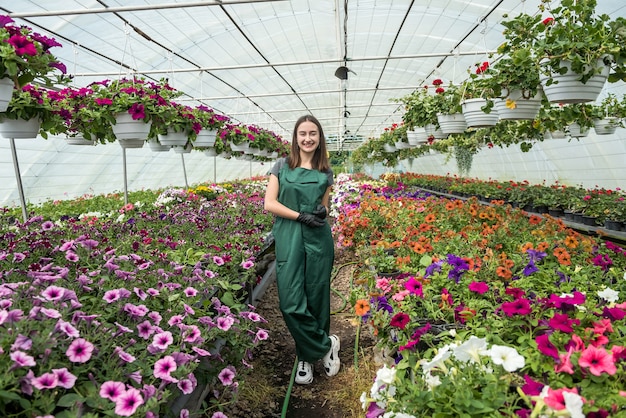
[308, 136]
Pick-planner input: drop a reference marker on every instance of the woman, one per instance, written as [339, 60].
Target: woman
[298, 193]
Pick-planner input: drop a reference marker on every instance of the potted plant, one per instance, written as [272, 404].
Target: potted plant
[608, 115]
[577, 49]
[447, 102]
[125, 101]
[29, 112]
[478, 92]
[209, 123]
[25, 55]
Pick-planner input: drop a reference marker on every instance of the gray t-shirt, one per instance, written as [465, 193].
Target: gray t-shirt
[281, 162]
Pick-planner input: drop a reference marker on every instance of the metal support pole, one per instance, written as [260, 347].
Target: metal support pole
[125, 176]
[182, 158]
[18, 178]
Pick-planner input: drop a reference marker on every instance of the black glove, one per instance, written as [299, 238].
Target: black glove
[320, 211]
[310, 220]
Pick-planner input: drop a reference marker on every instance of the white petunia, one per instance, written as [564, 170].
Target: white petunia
[386, 374]
[508, 357]
[609, 295]
[471, 350]
[573, 404]
[438, 361]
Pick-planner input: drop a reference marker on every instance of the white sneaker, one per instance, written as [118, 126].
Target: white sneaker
[304, 374]
[331, 359]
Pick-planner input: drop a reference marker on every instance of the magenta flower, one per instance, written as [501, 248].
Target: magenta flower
[598, 360]
[201, 351]
[562, 322]
[190, 292]
[531, 387]
[67, 328]
[478, 287]
[261, 335]
[218, 260]
[137, 111]
[145, 329]
[225, 322]
[185, 386]
[227, 376]
[45, 381]
[399, 320]
[21, 343]
[247, 265]
[414, 286]
[112, 390]
[22, 45]
[519, 306]
[53, 293]
[546, 347]
[22, 359]
[565, 363]
[219, 414]
[111, 296]
[65, 378]
[162, 340]
[175, 320]
[192, 334]
[164, 367]
[71, 256]
[79, 351]
[252, 316]
[128, 402]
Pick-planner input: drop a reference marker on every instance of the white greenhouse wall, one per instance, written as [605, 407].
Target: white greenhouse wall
[590, 162]
[51, 169]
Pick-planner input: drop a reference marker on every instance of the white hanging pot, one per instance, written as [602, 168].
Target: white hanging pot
[475, 116]
[417, 136]
[79, 140]
[434, 131]
[128, 128]
[205, 138]
[6, 93]
[19, 128]
[210, 152]
[520, 107]
[567, 88]
[131, 142]
[182, 149]
[606, 126]
[389, 148]
[401, 145]
[244, 146]
[452, 124]
[155, 146]
[577, 131]
[173, 138]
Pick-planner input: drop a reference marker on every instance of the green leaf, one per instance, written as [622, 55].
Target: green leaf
[70, 399]
[426, 260]
[9, 395]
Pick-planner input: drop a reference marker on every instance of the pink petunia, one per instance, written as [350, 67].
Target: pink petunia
[190, 292]
[164, 367]
[565, 364]
[128, 402]
[546, 347]
[563, 322]
[112, 390]
[145, 329]
[598, 360]
[227, 376]
[478, 287]
[111, 296]
[45, 381]
[185, 386]
[79, 351]
[520, 306]
[247, 265]
[555, 400]
[224, 323]
[22, 359]
[162, 340]
[65, 378]
[218, 260]
[53, 293]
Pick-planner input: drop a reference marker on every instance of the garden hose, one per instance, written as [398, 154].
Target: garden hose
[289, 388]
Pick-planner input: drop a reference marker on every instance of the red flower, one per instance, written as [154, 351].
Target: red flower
[547, 21]
[437, 82]
[439, 90]
[399, 320]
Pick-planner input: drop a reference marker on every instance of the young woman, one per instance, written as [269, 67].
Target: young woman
[298, 193]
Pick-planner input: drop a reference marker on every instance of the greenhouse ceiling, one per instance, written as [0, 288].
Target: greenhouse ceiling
[266, 62]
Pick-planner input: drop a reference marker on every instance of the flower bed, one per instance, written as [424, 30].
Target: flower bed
[495, 313]
[122, 312]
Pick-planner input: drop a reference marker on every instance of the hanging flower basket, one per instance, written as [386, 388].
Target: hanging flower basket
[434, 131]
[205, 138]
[389, 148]
[155, 146]
[475, 116]
[173, 138]
[127, 143]
[182, 149]
[6, 93]
[210, 152]
[79, 140]
[452, 124]
[417, 136]
[516, 106]
[605, 126]
[577, 131]
[19, 128]
[567, 88]
[245, 145]
[128, 128]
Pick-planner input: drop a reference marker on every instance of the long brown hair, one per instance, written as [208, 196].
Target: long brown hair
[320, 158]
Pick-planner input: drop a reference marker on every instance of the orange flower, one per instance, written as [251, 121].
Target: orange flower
[362, 307]
[450, 205]
[571, 242]
[504, 272]
[542, 246]
[534, 220]
[430, 218]
[527, 246]
[560, 252]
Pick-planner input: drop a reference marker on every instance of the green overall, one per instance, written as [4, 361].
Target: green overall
[304, 261]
